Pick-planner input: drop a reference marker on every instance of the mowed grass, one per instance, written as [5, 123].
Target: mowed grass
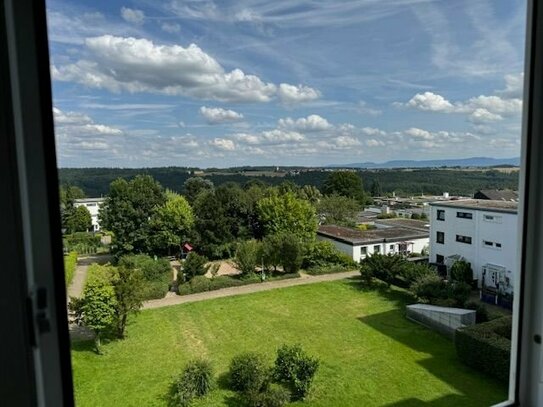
[370, 354]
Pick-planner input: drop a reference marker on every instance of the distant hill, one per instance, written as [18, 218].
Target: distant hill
[454, 162]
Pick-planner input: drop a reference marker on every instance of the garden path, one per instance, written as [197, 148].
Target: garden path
[247, 289]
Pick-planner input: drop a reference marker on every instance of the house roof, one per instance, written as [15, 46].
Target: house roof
[89, 200]
[481, 204]
[361, 237]
[420, 225]
[497, 194]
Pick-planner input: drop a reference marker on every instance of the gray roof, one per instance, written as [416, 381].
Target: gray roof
[361, 237]
[497, 194]
[89, 200]
[481, 204]
[421, 225]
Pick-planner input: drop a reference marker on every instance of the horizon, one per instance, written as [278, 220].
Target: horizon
[208, 84]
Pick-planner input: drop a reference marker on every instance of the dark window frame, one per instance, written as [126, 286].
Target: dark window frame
[464, 215]
[440, 215]
[464, 239]
[438, 240]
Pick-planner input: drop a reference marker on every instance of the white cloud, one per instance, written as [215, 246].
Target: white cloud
[223, 144]
[371, 131]
[481, 115]
[217, 115]
[78, 124]
[429, 101]
[346, 142]
[133, 16]
[297, 94]
[493, 104]
[419, 133]
[281, 136]
[375, 143]
[139, 65]
[513, 86]
[312, 122]
[172, 28]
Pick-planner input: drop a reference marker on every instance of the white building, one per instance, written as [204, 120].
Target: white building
[93, 205]
[360, 243]
[483, 232]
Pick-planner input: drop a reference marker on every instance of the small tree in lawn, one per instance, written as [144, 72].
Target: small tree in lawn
[98, 304]
[195, 265]
[271, 251]
[247, 256]
[128, 285]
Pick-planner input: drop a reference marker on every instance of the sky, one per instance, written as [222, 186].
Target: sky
[147, 83]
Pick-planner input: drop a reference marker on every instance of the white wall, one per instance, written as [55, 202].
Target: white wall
[479, 229]
[342, 247]
[93, 208]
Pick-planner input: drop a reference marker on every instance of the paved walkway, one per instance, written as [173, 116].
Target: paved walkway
[78, 281]
[247, 289]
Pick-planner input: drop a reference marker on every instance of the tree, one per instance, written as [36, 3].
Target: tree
[345, 183]
[385, 267]
[195, 265]
[376, 189]
[271, 251]
[68, 195]
[338, 210]
[128, 285]
[78, 220]
[172, 223]
[128, 210]
[291, 252]
[310, 193]
[98, 303]
[196, 185]
[287, 214]
[247, 256]
[461, 272]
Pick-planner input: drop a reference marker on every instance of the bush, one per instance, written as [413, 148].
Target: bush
[486, 347]
[459, 292]
[385, 267]
[429, 287]
[411, 272]
[291, 253]
[248, 373]
[273, 396]
[194, 265]
[480, 309]
[151, 269]
[195, 381]
[321, 254]
[70, 263]
[247, 256]
[295, 369]
[461, 272]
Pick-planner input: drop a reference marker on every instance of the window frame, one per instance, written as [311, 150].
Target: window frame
[464, 239]
[438, 240]
[464, 215]
[440, 212]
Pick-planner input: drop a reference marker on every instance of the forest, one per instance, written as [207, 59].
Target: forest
[431, 181]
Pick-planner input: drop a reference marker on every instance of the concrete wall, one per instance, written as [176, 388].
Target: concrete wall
[502, 231]
[442, 319]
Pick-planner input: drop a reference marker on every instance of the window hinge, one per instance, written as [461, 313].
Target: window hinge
[39, 319]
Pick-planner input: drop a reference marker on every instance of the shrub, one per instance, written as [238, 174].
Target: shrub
[429, 287]
[480, 309]
[194, 265]
[271, 251]
[458, 291]
[461, 271]
[486, 347]
[385, 267]
[249, 374]
[195, 381]
[321, 254]
[274, 396]
[410, 272]
[295, 369]
[247, 256]
[200, 284]
[291, 253]
[151, 269]
[70, 263]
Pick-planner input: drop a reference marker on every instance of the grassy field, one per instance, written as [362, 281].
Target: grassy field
[370, 354]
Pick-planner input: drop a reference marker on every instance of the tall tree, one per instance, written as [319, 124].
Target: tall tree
[376, 189]
[128, 210]
[338, 210]
[196, 185]
[78, 220]
[288, 214]
[128, 285]
[172, 223]
[310, 193]
[345, 183]
[68, 195]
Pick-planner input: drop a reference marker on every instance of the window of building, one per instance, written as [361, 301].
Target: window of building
[499, 245]
[377, 249]
[440, 237]
[91, 204]
[464, 215]
[488, 243]
[363, 251]
[440, 258]
[492, 218]
[440, 214]
[463, 239]
[391, 247]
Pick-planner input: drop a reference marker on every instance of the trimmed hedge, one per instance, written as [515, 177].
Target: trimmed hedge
[200, 284]
[70, 263]
[486, 347]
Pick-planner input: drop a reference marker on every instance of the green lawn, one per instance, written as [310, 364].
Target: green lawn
[370, 354]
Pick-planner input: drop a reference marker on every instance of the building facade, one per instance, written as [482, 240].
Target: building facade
[482, 232]
[93, 205]
[358, 244]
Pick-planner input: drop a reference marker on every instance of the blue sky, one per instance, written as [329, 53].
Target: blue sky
[250, 82]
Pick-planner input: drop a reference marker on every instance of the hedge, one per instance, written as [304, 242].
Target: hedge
[486, 347]
[70, 263]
